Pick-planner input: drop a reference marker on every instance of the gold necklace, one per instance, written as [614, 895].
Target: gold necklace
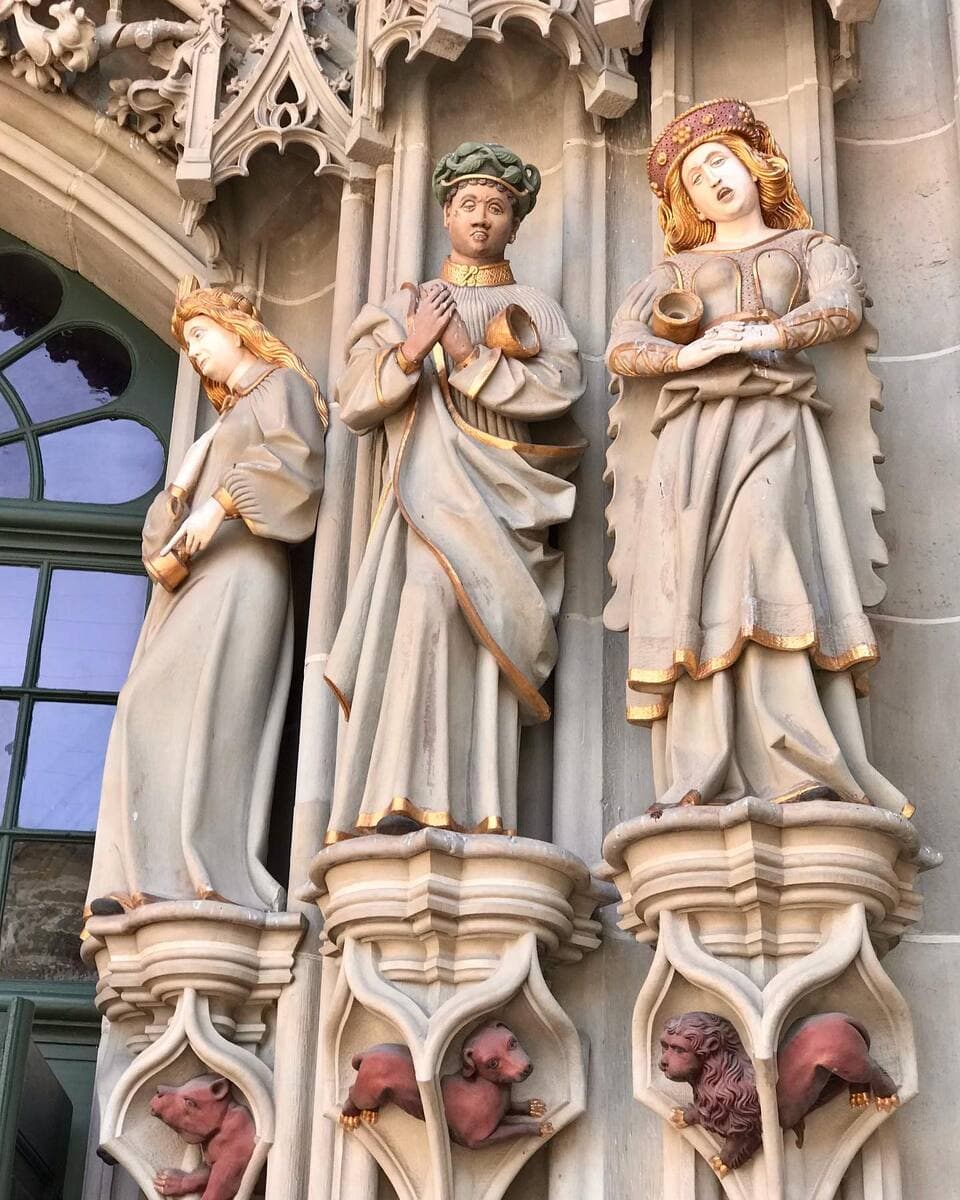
[480, 275]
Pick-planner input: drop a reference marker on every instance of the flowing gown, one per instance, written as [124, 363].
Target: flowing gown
[746, 627]
[448, 633]
[189, 773]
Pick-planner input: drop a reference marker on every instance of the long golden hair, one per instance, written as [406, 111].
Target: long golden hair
[779, 199]
[238, 315]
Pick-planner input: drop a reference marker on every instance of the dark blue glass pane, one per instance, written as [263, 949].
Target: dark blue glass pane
[71, 371]
[91, 627]
[101, 462]
[65, 753]
[14, 472]
[18, 588]
[30, 296]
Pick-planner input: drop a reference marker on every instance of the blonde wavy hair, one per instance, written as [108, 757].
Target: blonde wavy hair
[235, 313]
[779, 199]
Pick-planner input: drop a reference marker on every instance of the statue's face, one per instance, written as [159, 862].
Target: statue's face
[213, 350]
[479, 220]
[677, 1061]
[718, 183]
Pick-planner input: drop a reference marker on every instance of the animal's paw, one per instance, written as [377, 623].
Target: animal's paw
[859, 1099]
[719, 1166]
[170, 1182]
[888, 1103]
[545, 1129]
[370, 1116]
[348, 1122]
[537, 1108]
[677, 1119]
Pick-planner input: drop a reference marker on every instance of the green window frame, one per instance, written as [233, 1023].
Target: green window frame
[52, 534]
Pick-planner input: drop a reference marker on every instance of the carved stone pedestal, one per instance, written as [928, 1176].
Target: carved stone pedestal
[433, 932]
[766, 914]
[189, 985]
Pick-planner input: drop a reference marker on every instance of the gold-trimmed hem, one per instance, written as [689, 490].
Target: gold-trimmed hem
[644, 714]
[685, 658]
[429, 818]
[477, 274]
[227, 503]
[377, 368]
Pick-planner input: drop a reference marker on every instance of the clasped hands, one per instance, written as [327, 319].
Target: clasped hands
[729, 337]
[436, 320]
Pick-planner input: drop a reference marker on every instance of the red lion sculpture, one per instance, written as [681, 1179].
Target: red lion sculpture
[818, 1057]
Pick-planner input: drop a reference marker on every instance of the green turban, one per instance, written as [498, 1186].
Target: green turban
[494, 163]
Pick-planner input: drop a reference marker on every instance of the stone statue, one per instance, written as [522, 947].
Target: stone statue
[477, 1100]
[202, 1112]
[734, 568]
[448, 633]
[818, 1057]
[189, 772]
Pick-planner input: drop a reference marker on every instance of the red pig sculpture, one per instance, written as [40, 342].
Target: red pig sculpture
[203, 1114]
[476, 1100]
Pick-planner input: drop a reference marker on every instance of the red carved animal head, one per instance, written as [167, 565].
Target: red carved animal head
[195, 1109]
[704, 1050]
[494, 1053]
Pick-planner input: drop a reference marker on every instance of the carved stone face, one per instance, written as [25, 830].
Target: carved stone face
[718, 183]
[213, 350]
[480, 222]
[677, 1061]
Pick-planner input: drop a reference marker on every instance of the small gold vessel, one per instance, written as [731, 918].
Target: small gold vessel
[677, 316]
[512, 331]
[170, 569]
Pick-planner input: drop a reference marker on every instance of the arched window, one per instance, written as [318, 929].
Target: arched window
[86, 396]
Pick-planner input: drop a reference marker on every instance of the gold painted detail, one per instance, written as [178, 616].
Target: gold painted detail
[809, 329]
[644, 359]
[476, 275]
[686, 659]
[513, 331]
[409, 366]
[377, 368]
[227, 503]
[431, 818]
[643, 714]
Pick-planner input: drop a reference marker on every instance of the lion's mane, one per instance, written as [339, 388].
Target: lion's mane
[725, 1091]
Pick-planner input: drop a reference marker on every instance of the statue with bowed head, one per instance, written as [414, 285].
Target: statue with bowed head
[449, 633]
[189, 772]
[739, 563]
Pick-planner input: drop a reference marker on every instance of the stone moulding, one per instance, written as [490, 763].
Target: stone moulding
[763, 914]
[428, 934]
[190, 984]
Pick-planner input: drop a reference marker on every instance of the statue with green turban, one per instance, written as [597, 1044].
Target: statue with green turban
[449, 631]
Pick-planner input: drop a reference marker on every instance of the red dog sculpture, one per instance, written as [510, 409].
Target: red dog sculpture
[818, 1057]
[203, 1114]
[476, 1101]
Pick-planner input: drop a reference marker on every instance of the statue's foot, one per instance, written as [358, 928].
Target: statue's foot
[106, 906]
[859, 1099]
[888, 1103]
[369, 1116]
[719, 1166]
[397, 824]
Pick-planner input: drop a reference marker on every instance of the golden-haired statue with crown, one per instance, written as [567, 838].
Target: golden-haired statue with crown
[189, 773]
[744, 482]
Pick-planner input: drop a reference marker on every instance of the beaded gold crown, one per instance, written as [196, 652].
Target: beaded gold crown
[700, 124]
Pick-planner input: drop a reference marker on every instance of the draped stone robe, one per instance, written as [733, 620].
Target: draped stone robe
[448, 633]
[746, 622]
[189, 773]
